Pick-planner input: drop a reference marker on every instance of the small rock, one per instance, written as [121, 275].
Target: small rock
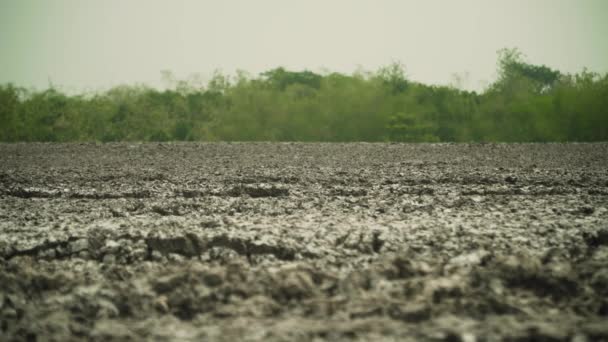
[126, 248]
[496, 286]
[157, 256]
[222, 254]
[61, 251]
[109, 259]
[174, 257]
[111, 246]
[79, 245]
[161, 304]
[213, 278]
[296, 285]
[469, 260]
[107, 309]
[476, 199]
[84, 255]
[139, 254]
[48, 254]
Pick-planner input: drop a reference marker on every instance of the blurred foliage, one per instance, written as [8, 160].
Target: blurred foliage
[526, 103]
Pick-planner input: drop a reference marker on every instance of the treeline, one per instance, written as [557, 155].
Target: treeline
[526, 103]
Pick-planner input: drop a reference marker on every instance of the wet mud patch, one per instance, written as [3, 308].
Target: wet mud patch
[323, 242]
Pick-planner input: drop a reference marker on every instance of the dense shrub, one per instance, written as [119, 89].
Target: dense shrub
[526, 103]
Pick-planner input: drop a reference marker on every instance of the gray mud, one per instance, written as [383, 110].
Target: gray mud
[300, 242]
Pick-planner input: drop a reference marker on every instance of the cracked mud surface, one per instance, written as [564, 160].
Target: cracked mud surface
[301, 242]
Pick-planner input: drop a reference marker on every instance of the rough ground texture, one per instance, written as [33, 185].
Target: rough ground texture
[300, 242]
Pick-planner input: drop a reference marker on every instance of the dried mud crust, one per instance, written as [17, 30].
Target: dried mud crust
[289, 241]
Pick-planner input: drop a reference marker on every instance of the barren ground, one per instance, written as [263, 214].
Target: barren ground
[300, 242]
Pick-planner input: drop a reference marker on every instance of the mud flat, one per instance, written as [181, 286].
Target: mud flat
[302, 242]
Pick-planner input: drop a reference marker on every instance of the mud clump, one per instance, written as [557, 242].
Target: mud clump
[288, 241]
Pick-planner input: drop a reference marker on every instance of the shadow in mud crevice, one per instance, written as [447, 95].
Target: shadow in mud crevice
[56, 193]
[258, 179]
[240, 190]
[257, 191]
[191, 245]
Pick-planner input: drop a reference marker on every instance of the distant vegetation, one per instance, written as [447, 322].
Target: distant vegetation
[526, 103]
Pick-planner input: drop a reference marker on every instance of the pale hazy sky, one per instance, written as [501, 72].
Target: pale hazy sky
[95, 44]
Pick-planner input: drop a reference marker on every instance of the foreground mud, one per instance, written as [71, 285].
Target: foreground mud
[300, 242]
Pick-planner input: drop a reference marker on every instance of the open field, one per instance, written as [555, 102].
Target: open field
[299, 242]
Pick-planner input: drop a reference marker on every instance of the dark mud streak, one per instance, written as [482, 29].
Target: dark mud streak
[25, 193]
[518, 192]
[377, 242]
[263, 179]
[235, 191]
[188, 245]
[257, 191]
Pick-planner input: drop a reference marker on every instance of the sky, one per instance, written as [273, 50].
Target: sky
[84, 45]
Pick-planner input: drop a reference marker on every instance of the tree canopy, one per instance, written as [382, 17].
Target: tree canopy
[527, 102]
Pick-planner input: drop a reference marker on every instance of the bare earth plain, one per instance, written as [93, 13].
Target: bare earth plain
[304, 242]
